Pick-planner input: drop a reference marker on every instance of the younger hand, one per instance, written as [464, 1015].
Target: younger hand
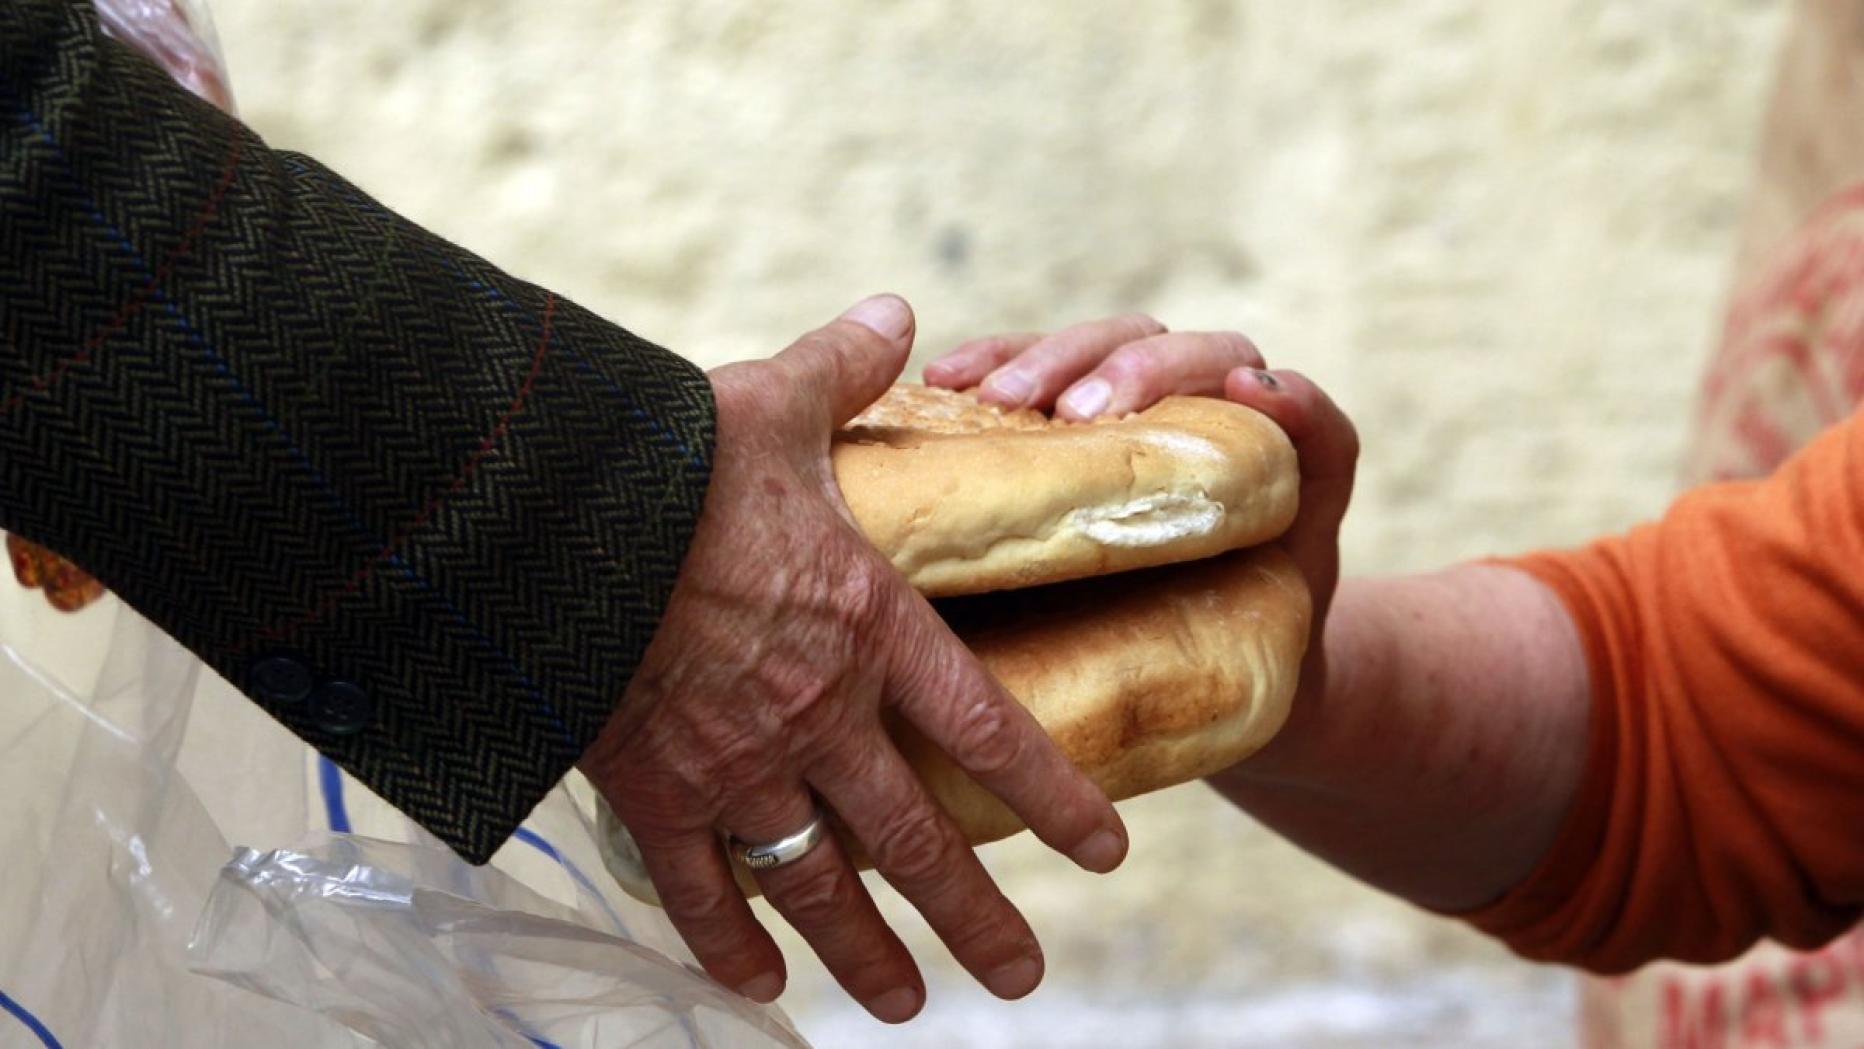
[1125, 364]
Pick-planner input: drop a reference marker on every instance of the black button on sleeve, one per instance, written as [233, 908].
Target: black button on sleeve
[341, 709]
[279, 680]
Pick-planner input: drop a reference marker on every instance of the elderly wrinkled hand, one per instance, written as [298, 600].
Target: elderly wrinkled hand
[761, 697]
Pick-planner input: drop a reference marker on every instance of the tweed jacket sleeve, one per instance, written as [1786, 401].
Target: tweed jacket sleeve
[425, 514]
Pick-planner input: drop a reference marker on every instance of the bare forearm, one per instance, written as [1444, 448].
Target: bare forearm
[1446, 744]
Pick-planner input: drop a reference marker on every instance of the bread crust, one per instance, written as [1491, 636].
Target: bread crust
[966, 498]
[1144, 680]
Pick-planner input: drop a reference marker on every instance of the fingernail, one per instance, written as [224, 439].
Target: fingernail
[887, 316]
[896, 1006]
[762, 989]
[1088, 399]
[1015, 979]
[1010, 388]
[1267, 380]
[1101, 853]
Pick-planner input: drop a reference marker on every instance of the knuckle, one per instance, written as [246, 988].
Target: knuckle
[844, 341]
[1135, 361]
[820, 359]
[862, 606]
[665, 776]
[734, 759]
[796, 696]
[805, 697]
[858, 595]
[844, 739]
[658, 807]
[737, 383]
[1243, 347]
[821, 897]
[971, 351]
[1145, 322]
[1349, 441]
[914, 847]
[835, 339]
[983, 740]
[990, 936]
[983, 929]
[835, 739]
[1323, 415]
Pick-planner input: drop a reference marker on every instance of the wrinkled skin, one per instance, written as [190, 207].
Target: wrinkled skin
[786, 637]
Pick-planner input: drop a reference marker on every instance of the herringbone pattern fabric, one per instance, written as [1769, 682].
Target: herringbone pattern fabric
[272, 416]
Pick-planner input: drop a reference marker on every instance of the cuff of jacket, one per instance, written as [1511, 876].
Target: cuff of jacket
[473, 664]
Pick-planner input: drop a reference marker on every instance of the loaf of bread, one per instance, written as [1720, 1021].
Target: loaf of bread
[1144, 680]
[965, 498]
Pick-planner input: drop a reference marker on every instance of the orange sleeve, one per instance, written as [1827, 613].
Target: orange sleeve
[1723, 798]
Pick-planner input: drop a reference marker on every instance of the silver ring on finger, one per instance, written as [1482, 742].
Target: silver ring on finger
[787, 849]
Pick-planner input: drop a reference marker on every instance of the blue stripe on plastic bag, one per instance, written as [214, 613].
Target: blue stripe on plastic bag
[32, 1022]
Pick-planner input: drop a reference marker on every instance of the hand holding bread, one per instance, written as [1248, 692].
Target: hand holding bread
[1147, 653]
[1127, 363]
[784, 642]
[1149, 676]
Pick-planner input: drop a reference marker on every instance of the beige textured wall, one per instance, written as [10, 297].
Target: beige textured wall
[1497, 232]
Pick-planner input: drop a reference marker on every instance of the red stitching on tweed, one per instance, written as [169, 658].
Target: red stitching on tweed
[486, 445]
[139, 298]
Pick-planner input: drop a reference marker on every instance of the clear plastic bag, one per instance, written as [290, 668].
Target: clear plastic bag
[128, 770]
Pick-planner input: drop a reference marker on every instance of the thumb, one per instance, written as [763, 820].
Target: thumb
[1322, 435]
[846, 366]
[1328, 447]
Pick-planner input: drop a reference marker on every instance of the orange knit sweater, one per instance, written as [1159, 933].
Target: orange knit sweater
[1723, 799]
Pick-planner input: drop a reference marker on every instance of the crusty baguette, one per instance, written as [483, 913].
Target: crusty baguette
[965, 498]
[1144, 680]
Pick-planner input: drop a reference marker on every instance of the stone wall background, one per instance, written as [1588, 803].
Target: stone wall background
[1498, 233]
